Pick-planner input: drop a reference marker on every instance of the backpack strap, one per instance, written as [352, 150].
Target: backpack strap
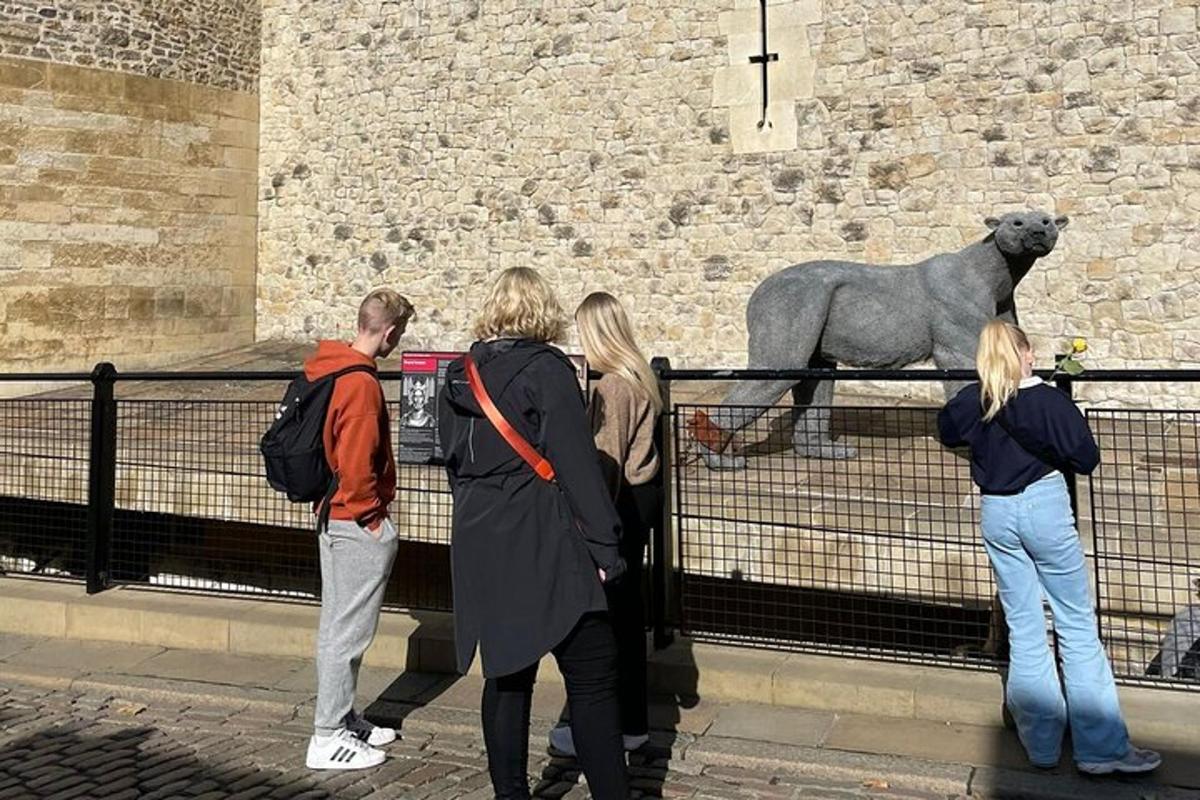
[326, 505]
[333, 376]
[532, 457]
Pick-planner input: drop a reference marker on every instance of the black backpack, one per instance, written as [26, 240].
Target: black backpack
[294, 446]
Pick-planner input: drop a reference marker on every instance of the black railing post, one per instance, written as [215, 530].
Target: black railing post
[102, 476]
[660, 551]
[1067, 386]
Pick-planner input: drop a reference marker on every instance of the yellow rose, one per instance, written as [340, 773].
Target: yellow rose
[1079, 345]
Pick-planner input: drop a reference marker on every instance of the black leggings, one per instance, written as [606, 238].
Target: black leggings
[587, 659]
[640, 511]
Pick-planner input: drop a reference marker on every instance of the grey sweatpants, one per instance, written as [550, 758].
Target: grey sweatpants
[354, 572]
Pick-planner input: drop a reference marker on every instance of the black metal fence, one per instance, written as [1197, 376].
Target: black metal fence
[875, 555]
[171, 493]
[44, 467]
[1145, 526]
[878, 555]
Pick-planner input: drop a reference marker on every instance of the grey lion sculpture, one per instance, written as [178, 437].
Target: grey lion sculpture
[825, 313]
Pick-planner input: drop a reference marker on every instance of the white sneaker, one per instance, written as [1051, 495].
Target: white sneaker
[343, 750]
[369, 732]
[562, 740]
[1136, 760]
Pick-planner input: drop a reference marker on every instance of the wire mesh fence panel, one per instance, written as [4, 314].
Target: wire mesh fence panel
[44, 456]
[194, 510]
[1145, 508]
[422, 511]
[868, 546]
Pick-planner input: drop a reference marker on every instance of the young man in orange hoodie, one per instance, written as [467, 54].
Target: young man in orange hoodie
[358, 545]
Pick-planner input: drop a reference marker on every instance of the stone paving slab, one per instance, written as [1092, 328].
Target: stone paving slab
[779, 726]
[11, 646]
[70, 653]
[936, 741]
[260, 671]
[811, 762]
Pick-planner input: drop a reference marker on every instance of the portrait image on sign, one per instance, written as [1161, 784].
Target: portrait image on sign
[418, 401]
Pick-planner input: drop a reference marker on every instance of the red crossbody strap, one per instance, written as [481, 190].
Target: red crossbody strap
[525, 450]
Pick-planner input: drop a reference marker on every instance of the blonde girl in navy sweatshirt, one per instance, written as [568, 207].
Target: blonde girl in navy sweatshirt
[1023, 435]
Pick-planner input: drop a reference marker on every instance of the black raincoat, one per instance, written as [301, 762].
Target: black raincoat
[524, 552]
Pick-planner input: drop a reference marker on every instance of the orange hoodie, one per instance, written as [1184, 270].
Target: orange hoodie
[358, 440]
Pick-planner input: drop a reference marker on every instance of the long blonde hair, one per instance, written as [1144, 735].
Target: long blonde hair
[608, 343]
[998, 361]
[521, 304]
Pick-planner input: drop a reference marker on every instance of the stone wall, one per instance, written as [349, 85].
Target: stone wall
[427, 146]
[213, 42]
[128, 162]
[127, 217]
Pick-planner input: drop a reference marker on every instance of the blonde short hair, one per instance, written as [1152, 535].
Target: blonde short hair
[383, 308]
[521, 304]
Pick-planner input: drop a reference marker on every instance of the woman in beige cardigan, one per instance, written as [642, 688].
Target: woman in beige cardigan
[624, 408]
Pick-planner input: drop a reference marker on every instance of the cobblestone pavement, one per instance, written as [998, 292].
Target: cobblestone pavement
[65, 744]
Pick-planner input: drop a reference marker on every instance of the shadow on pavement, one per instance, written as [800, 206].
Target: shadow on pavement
[141, 762]
[648, 766]
[412, 689]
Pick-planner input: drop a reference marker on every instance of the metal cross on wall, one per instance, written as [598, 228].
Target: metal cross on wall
[764, 58]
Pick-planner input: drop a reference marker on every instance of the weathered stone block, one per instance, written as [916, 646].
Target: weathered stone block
[748, 137]
[151, 91]
[736, 85]
[240, 158]
[204, 302]
[1177, 20]
[10, 256]
[117, 303]
[22, 74]
[782, 15]
[97, 83]
[168, 302]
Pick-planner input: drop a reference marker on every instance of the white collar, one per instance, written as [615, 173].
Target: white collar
[1027, 383]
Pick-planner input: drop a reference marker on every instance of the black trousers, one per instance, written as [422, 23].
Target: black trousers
[587, 659]
[639, 507]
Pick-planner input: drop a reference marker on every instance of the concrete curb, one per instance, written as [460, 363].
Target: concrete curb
[159, 690]
[424, 642]
[191, 693]
[415, 641]
[835, 765]
[40, 679]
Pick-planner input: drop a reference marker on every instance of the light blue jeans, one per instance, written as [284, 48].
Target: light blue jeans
[1035, 549]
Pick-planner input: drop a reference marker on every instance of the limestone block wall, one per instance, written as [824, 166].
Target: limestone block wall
[127, 199]
[426, 146]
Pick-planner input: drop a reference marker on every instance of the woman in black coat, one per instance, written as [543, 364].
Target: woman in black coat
[529, 556]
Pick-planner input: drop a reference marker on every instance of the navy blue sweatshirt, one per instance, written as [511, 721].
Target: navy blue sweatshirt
[1040, 417]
